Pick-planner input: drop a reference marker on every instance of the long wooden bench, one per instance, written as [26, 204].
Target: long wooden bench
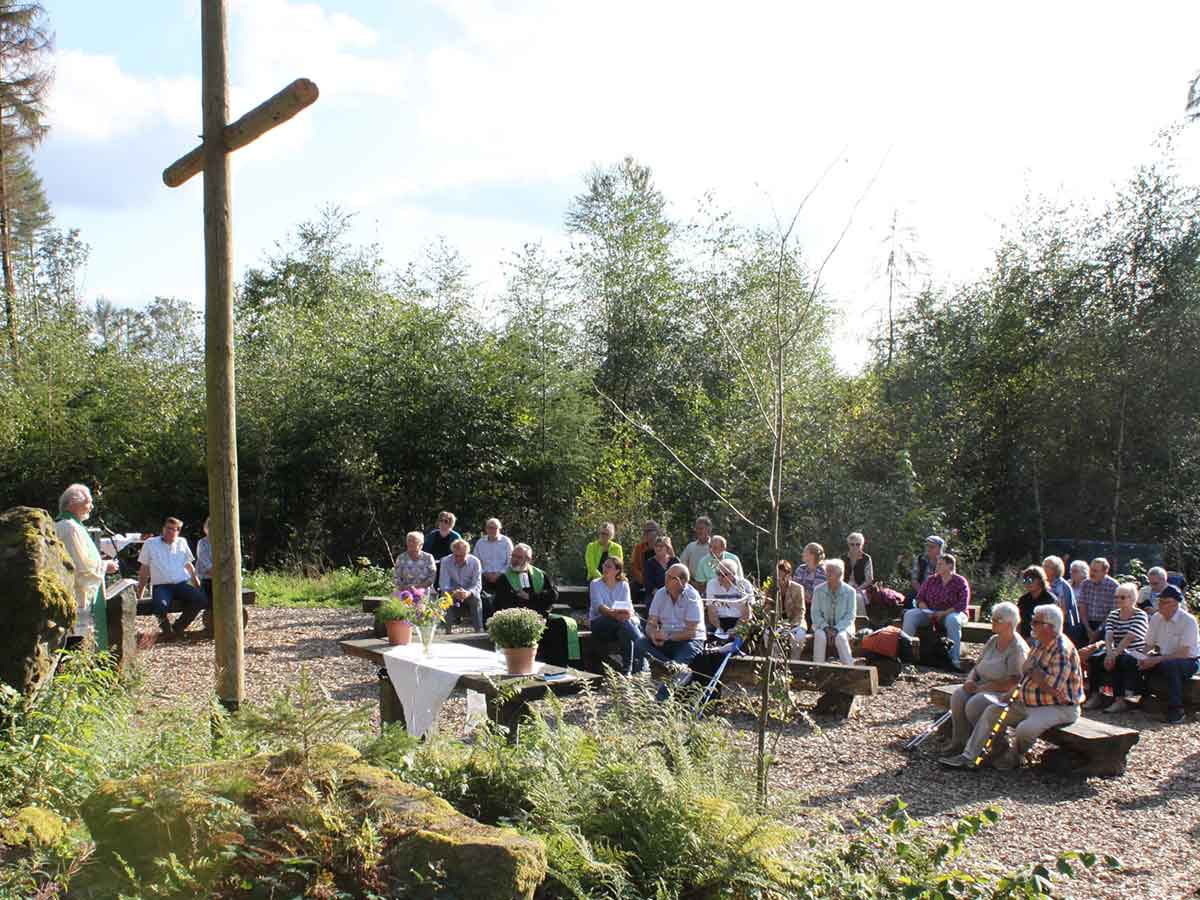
[1155, 698]
[1101, 748]
[840, 686]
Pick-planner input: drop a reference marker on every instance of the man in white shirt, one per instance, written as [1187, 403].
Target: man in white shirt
[1173, 631]
[167, 564]
[675, 624]
[695, 552]
[493, 551]
[460, 578]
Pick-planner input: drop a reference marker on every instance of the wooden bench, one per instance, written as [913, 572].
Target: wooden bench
[1155, 698]
[1100, 748]
[840, 686]
[507, 696]
[146, 608]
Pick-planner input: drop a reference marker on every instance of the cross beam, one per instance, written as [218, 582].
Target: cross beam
[212, 157]
[253, 125]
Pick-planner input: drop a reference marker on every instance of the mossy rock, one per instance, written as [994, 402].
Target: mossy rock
[32, 826]
[296, 823]
[37, 609]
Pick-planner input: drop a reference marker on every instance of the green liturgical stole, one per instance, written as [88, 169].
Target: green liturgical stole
[537, 579]
[572, 636]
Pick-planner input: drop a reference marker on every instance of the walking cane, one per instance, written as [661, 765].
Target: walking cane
[1000, 720]
[715, 678]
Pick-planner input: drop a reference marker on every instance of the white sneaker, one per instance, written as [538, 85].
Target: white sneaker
[1119, 705]
[1095, 701]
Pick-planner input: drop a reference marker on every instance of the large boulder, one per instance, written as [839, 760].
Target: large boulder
[297, 823]
[36, 607]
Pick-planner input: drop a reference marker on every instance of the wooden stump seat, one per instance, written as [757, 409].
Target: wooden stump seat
[1099, 748]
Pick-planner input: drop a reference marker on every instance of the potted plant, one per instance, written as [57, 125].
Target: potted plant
[419, 607]
[517, 632]
[394, 616]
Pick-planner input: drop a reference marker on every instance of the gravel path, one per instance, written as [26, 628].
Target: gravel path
[1149, 818]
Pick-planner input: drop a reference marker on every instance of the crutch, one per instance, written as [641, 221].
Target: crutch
[921, 738]
[1000, 720]
[715, 678]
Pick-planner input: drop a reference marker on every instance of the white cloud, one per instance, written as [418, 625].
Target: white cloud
[276, 41]
[93, 99]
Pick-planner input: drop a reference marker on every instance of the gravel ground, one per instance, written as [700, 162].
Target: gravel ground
[1149, 818]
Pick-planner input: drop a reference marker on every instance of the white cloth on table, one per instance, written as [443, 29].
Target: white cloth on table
[423, 683]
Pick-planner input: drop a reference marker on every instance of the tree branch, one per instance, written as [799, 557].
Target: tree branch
[640, 426]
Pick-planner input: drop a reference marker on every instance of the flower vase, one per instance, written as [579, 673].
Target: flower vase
[427, 632]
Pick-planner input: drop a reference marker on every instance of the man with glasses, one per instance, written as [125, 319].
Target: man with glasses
[1096, 596]
[1050, 690]
[1173, 632]
[675, 625]
[1148, 595]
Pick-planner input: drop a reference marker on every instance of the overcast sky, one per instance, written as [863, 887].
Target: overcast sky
[476, 120]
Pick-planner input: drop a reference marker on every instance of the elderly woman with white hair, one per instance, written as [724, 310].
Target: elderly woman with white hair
[74, 508]
[727, 598]
[414, 567]
[860, 570]
[1048, 694]
[994, 675]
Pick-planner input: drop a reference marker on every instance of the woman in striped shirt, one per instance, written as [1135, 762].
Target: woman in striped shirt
[1124, 630]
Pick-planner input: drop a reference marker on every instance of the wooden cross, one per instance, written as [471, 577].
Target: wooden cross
[212, 157]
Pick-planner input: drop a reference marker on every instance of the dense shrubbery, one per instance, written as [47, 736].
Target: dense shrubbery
[640, 800]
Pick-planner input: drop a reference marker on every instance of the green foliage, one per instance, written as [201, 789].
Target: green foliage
[642, 801]
[301, 716]
[516, 628]
[392, 610]
[339, 587]
[900, 857]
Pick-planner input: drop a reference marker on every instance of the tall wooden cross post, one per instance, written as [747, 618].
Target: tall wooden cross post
[212, 157]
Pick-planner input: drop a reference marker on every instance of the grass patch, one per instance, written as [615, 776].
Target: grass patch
[341, 587]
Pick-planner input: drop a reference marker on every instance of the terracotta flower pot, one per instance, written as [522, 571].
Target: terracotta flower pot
[399, 631]
[520, 660]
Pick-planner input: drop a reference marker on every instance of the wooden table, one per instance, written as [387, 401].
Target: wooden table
[508, 696]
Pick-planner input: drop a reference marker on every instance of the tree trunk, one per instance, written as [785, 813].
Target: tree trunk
[1037, 506]
[1117, 467]
[10, 289]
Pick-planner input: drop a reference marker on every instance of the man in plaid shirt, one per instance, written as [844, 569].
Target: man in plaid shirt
[1051, 687]
[1096, 596]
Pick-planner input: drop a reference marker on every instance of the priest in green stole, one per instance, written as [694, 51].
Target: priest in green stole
[525, 585]
[74, 508]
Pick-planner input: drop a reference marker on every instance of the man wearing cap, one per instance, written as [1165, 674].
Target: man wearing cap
[942, 600]
[1173, 632]
[925, 565]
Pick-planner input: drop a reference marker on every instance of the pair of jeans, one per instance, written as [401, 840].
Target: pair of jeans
[190, 597]
[1174, 671]
[953, 623]
[626, 635]
[1125, 677]
[672, 651]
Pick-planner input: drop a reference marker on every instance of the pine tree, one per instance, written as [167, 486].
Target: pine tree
[25, 75]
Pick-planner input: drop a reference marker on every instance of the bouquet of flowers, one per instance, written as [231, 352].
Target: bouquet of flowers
[420, 606]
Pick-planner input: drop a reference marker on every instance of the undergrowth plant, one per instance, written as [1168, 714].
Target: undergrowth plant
[899, 856]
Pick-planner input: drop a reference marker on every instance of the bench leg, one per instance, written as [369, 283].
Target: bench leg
[834, 703]
[390, 708]
[507, 712]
